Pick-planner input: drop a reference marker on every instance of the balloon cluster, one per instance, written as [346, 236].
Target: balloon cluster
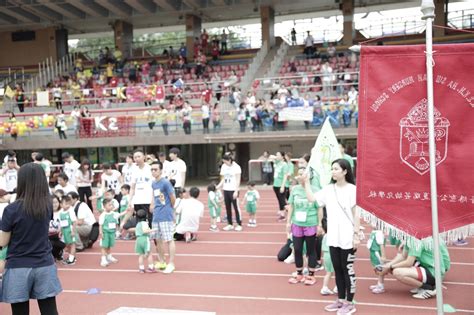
[19, 128]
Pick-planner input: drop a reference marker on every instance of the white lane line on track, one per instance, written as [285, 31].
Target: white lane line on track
[224, 273]
[233, 256]
[255, 298]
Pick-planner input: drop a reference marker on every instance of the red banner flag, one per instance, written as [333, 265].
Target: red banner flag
[393, 182]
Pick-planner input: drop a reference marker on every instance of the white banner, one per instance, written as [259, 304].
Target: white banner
[42, 98]
[296, 113]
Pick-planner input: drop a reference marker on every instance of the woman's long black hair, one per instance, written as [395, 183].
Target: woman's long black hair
[33, 192]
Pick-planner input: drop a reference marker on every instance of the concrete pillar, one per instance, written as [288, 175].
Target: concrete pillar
[440, 18]
[123, 36]
[62, 48]
[349, 28]
[193, 29]
[267, 18]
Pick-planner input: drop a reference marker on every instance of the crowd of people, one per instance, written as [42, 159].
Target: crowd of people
[146, 201]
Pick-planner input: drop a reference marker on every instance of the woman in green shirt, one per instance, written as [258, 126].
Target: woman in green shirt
[303, 220]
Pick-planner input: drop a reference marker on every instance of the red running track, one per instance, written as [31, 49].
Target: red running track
[237, 272]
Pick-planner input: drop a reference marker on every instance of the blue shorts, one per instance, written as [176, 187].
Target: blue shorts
[23, 284]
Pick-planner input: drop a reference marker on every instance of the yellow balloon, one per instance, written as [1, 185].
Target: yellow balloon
[2, 130]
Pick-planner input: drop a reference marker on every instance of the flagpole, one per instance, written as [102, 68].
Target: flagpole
[428, 9]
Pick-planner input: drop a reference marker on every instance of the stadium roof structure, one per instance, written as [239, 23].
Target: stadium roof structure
[88, 16]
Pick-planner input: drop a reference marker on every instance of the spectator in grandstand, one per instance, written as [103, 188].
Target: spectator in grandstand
[20, 98]
[85, 220]
[163, 118]
[60, 124]
[216, 118]
[117, 56]
[343, 222]
[57, 96]
[204, 42]
[205, 114]
[215, 40]
[224, 39]
[190, 211]
[185, 114]
[242, 117]
[331, 50]
[415, 267]
[183, 51]
[70, 167]
[151, 119]
[84, 179]
[215, 52]
[76, 91]
[145, 72]
[308, 45]
[85, 112]
[293, 36]
[353, 94]
[30, 272]
[75, 115]
[230, 182]
[12, 120]
[328, 79]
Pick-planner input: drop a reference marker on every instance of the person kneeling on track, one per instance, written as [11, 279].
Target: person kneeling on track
[415, 267]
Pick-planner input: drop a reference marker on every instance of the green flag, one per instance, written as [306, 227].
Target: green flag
[325, 151]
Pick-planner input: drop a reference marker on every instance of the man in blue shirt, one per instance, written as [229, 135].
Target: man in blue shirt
[163, 217]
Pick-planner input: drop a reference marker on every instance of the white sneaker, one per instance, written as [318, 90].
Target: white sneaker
[372, 287]
[335, 290]
[228, 228]
[424, 294]
[238, 228]
[326, 291]
[290, 259]
[414, 290]
[104, 263]
[112, 259]
[169, 268]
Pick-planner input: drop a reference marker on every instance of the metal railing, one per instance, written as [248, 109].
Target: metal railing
[257, 61]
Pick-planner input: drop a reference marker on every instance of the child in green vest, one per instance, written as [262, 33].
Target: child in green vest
[376, 246]
[213, 205]
[251, 197]
[108, 221]
[67, 221]
[99, 198]
[142, 243]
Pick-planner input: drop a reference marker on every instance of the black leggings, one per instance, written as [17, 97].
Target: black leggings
[46, 306]
[84, 194]
[319, 242]
[281, 198]
[298, 243]
[343, 262]
[229, 202]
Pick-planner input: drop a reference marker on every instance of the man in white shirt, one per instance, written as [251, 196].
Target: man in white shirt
[85, 220]
[190, 211]
[328, 79]
[127, 170]
[177, 174]
[308, 45]
[166, 165]
[111, 179]
[64, 185]
[70, 167]
[141, 190]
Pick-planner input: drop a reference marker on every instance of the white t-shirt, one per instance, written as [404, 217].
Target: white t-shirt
[70, 170]
[11, 178]
[229, 173]
[177, 167]
[67, 189]
[84, 212]
[127, 171]
[339, 202]
[166, 169]
[205, 111]
[112, 181]
[192, 210]
[81, 177]
[142, 179]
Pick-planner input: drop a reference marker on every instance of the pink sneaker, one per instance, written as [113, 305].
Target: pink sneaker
[334, 307]
[346, 309]
[296, 279]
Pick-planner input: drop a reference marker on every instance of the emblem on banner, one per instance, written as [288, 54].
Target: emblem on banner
[414, 138]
